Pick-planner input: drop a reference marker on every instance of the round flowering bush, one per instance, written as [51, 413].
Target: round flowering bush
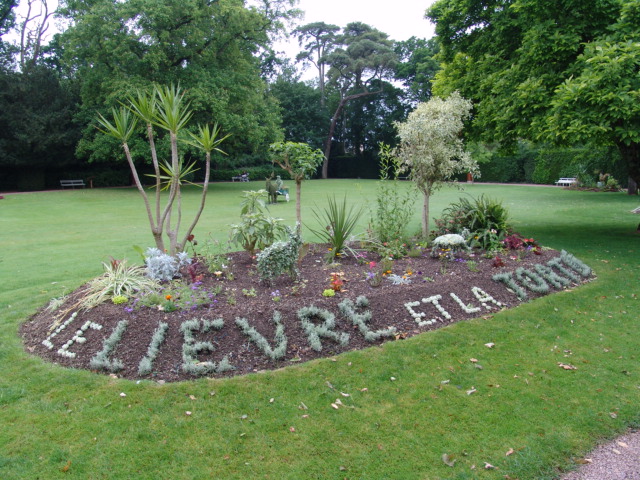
[450, 240]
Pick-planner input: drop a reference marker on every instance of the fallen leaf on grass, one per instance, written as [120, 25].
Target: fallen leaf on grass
[584, 461]
[187, 413]
[488, 466]
[490, 345]
[192, 397]
[66, 468]
[448, 459]
[302, 406]
[511, 451]
[292, 429]
[473, 360]
[613, 415]
[335, 406]
[345, 394]
[567, 366]
[473, 390]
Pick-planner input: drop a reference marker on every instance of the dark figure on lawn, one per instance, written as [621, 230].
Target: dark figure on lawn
[272, 190]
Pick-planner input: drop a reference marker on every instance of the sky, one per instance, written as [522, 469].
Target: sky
[400, 19]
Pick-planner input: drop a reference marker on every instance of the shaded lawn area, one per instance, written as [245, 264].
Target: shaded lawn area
[62, 423]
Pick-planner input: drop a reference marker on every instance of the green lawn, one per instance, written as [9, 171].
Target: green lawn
[59, 423]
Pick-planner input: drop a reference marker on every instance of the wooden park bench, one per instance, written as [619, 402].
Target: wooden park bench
[240, 178]
[72, 183]
[566, 182]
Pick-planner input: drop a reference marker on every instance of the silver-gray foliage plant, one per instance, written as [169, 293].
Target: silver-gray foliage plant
[164, 267]
[101, 359]
[256, 337]
[281, 257]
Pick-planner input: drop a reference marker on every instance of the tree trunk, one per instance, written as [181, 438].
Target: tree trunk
[425, 216]
[298, 187]
[631, 155]
[332, 127]
[632, 189]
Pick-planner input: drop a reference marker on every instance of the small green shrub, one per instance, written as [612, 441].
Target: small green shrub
[394, 204]
[257, 229]
[483, 220]
[281, 257]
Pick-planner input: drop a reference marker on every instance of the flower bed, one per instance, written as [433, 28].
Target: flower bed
[231, 324]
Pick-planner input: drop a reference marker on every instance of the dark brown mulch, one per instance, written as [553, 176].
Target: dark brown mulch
[387, 304]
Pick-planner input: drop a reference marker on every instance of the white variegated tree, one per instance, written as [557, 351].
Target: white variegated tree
[431, 147]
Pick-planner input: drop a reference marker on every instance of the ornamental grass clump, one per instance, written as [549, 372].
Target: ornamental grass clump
[274, 353]
[118, 279]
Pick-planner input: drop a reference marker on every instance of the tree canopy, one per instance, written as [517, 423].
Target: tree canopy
[545, 70]
[209, 48]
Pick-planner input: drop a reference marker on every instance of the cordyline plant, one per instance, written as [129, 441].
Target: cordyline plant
[431, 148]
[165, 108]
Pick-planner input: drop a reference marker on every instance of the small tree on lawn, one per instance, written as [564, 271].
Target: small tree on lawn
[431, 148]
[164, 108]
[299, 160]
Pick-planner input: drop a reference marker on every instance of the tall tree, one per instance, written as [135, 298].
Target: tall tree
[33, 26]
[303, 119]
[364, 58]
[417, 66]
[545, 70]
[320, 39]
[37, 131]
[7, 21]
[209, 48]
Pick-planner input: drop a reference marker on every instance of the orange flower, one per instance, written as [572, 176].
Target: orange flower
[168, 297]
